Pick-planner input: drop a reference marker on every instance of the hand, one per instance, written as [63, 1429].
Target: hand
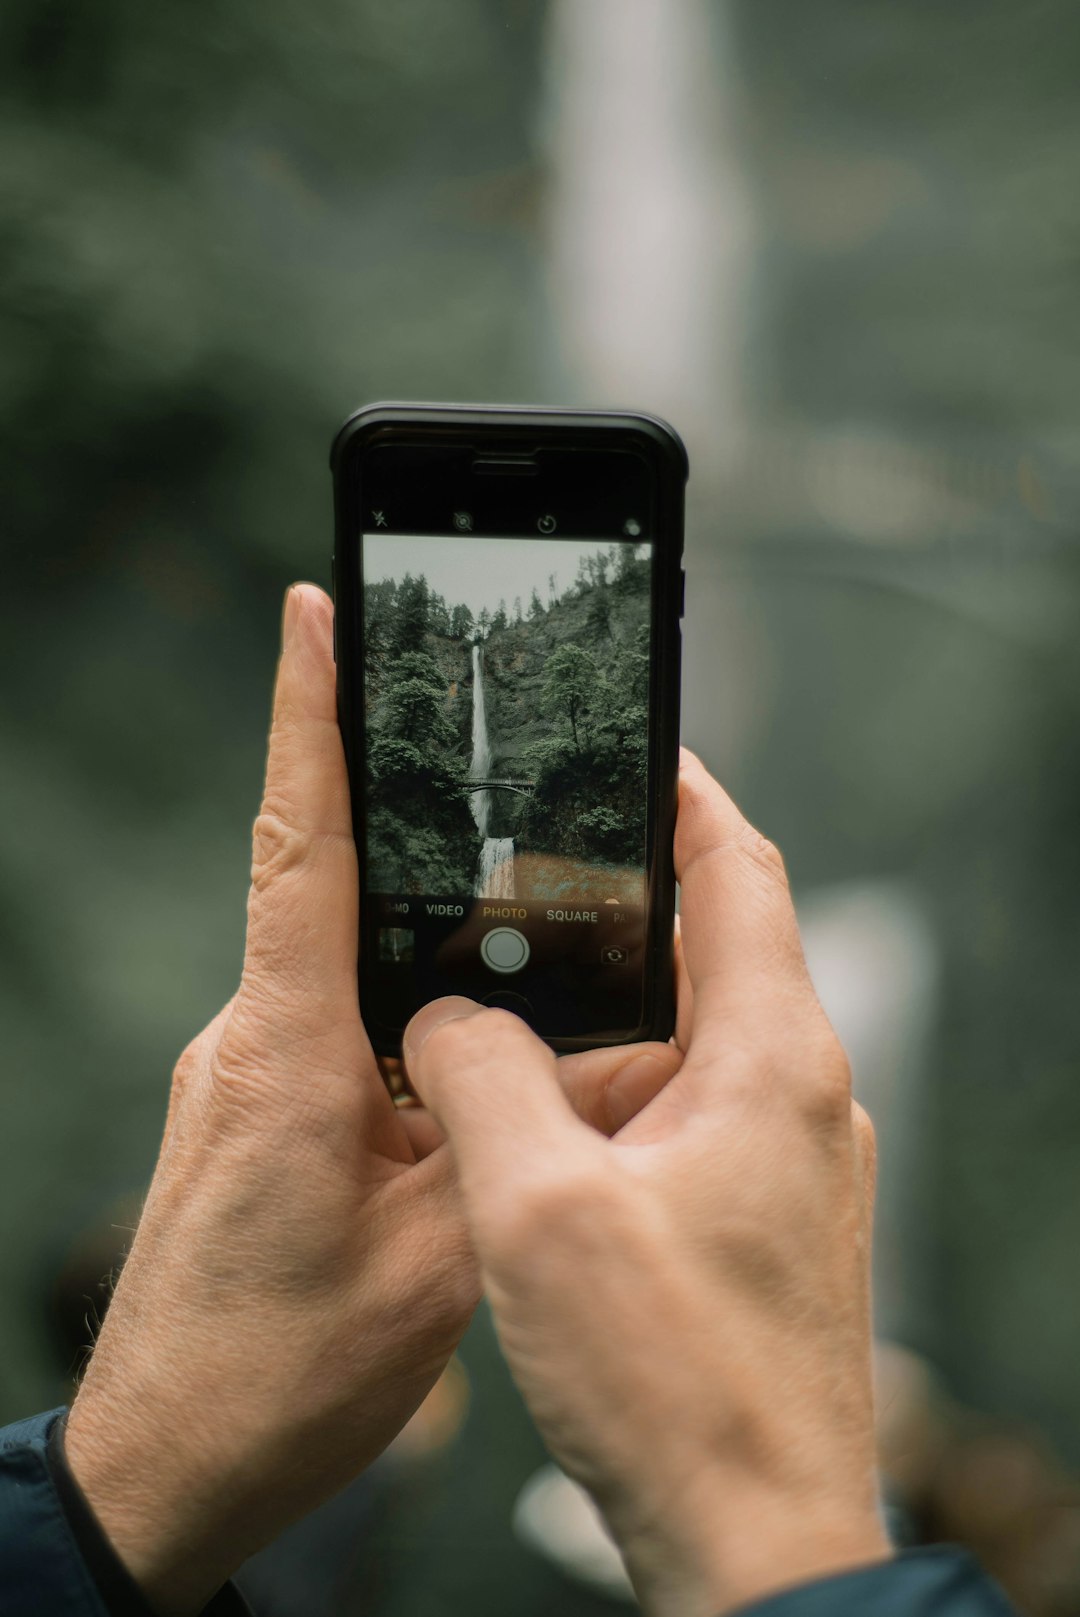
[301, 1271]
[686, 1306]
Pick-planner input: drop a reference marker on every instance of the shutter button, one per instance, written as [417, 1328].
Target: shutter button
[504, 949]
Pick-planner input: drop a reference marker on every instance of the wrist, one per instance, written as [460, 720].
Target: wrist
[150, 1496]
[728, 1548]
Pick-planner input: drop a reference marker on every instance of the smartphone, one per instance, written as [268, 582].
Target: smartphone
[508, 590]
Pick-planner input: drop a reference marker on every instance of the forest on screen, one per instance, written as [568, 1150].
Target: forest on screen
[566, 694]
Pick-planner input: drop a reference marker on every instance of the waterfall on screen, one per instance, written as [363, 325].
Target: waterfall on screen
[495, 872]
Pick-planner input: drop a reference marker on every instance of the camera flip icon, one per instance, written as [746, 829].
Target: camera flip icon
[613, 954]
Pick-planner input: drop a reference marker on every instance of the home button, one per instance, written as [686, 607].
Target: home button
[511, 1002]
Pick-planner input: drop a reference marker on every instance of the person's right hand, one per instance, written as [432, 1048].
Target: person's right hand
[686, 1306]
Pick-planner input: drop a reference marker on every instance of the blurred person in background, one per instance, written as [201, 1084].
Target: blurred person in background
[675, 1241]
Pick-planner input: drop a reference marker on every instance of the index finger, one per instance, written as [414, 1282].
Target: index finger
[740, 938]
[303, 905]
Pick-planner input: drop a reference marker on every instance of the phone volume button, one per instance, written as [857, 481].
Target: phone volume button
[682, 592]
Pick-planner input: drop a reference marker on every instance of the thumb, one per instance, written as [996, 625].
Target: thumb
[493, 1088]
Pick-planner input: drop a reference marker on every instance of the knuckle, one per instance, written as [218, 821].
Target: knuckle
[188, 1068]
[865, 1156]
[191, 1069]
[240, 1063]
[186, 1077]
[826, 1087]
[763, 855]
[865, 1134]
[277, 846]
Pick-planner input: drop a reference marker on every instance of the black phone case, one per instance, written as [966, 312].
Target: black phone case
[509, 427]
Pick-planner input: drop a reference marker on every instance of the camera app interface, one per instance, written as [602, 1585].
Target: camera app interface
[506, 695]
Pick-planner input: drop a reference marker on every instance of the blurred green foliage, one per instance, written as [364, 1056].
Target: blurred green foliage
[897, 599]
[224, 225]
[213, 221]
[221, 228]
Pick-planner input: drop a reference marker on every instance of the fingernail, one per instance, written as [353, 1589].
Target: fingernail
[429, 1017]
[290, 614]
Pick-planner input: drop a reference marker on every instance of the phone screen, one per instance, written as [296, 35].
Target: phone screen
[506, 701]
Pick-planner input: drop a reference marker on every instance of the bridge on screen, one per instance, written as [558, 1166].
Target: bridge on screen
[523, 788]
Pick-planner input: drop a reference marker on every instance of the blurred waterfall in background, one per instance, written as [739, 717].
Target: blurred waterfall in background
[649, 223]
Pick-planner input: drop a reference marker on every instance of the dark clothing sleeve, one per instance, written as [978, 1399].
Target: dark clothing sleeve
[55, 1557]
[938, 1582]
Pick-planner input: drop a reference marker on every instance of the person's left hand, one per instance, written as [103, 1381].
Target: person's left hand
[301, 1271]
